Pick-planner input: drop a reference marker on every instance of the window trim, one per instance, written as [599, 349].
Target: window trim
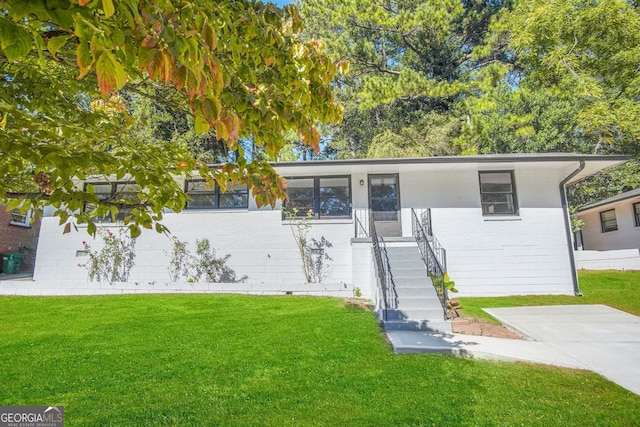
[514, 194]
[216, 193]
[25, 218]
[603, 221]
[316, 196]
[636, 213]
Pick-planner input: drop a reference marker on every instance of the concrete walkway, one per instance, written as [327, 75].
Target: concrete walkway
[593, 337]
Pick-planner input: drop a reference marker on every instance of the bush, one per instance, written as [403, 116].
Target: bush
[204, 265]
[114, 261]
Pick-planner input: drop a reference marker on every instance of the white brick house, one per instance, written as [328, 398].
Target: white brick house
[502, 220]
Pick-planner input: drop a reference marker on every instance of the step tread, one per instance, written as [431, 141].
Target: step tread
[419, 325]
[410, 314]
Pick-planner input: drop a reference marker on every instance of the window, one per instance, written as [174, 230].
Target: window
[114, 192]
[326, 197]
[384, 199]
[608, 220]
[204, 196]
[498, 193]
[19, 219]
[636, 213]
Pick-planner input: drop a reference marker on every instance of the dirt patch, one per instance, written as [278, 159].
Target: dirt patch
[359, 303]
[473, 326]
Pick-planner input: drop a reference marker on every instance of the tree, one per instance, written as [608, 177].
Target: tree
[608, 183]
[70, 68]
[521, 121]
[158, 122]
[409, 61]
[579, 59]
[430, 136]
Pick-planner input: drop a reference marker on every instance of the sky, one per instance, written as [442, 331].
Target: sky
[281, 3]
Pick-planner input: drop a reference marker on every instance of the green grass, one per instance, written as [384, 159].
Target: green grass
[198, 360]
[617, 289]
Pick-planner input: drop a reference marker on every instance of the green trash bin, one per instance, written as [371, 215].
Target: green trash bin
[11, 262]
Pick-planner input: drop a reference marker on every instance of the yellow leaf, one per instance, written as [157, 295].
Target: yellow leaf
[107, 6]
[221, 130]
[111, 74]
[201, 125]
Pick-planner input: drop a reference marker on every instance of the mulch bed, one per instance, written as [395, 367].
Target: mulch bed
[473, 326]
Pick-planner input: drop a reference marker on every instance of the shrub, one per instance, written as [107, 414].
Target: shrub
[114, 261]
[313, 252]
[204, 265]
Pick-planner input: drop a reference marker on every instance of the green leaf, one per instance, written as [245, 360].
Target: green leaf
[107, 7]
[56, 43]
[135, 230]
[14, 40]
[13, 204]
[211, 108]
[20, 8]
[91, 228]
[111, 74]
[83, 58]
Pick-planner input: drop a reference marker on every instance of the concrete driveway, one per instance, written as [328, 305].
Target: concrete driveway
[593, 337]
[601, 338]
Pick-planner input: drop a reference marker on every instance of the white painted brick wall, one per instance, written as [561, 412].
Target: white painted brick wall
[525, 254]
[262, 247]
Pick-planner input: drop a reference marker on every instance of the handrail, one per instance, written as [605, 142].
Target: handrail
[365, 227]
[382, 270]
[361, 218]
[425, 216]
[434, 265]
[438, 250]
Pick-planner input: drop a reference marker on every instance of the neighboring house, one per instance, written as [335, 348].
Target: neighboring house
[610, 224]
[501, 219]
[19, 234]
[610, 237]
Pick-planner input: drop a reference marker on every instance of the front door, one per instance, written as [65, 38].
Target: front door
[384, 202]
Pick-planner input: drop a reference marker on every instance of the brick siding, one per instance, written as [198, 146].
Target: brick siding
[15, 238]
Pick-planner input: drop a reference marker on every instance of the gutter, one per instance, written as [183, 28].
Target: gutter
[567, 227]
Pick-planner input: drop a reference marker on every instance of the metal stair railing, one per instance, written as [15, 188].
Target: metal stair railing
[365, 227]
[433, 255]
[361, 219]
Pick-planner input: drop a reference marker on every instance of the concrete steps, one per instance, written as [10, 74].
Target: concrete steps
[418, 305]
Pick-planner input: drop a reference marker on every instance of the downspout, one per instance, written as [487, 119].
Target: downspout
[567, 227]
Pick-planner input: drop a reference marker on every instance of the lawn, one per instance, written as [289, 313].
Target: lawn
[234, 360]
[617, 289]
